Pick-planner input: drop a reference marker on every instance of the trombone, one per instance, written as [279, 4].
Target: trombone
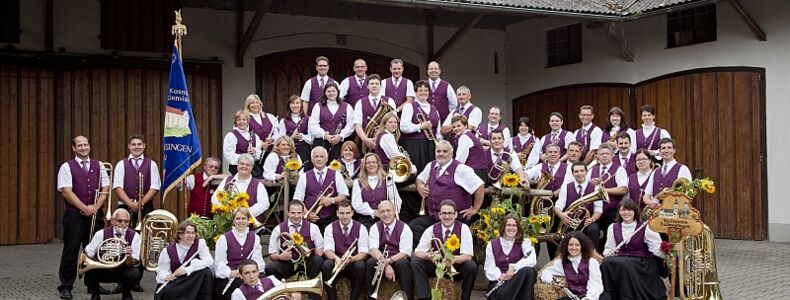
[344, 260]
[392, 189]
[140, 177]
[317, 206]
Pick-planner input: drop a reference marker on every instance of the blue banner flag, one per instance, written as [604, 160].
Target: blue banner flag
[181, 145]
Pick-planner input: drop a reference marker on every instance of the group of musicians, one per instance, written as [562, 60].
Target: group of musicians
[358, 208]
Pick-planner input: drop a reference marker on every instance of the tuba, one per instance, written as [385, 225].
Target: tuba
[541, 202]
[313, 286]
[579, 213]
[373, 123]
[158, 228]
[400, 166]
[698, 277]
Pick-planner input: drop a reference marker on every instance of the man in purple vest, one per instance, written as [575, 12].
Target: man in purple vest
[499, 155]
[569, 194]
[625, 158]
[339, 238]
[473, 114]
[560, 172]
[126, 275]
[366, 108]
[136, 180]
[494, 123]
[78, 181]
[354, 87]
[321, 186]
[313, 88]
[664, 176]
[616, 186]
[253, 287]
[397, 87]
[390, 238]
[184, 267]
[423, 264]
[588, 135]
[574, 153]
[282, 265]
[441, 93]
[557, 136]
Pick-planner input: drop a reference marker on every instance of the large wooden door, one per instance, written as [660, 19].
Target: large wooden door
[280, 75]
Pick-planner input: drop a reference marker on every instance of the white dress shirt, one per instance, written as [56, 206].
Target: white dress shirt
[65, 178]
[351, 169]
[241, 184]
[467, 246]
[271, 162]
[562, 199]
[652, 238]
[631, 133]
[329, 238]
[452, 98]
[596, 134]
[407, 113]
[189, 181]
[345, 83]
[359, 115]
[620, 176]
[229, 146]
[465, 144]
[569, 137]
[315, 236]
[505, 133]
[200, 262]
[221, 269]
[409, 86]
[594, 284]
[239, 295]
[474, 120]
[682, 173]
[406, 237]
[308, 87]
[515, 164]
[534, 172]
[464, 177]
[307, 137]
[529, 260]
[533, 157]
[301, 184]
[120, 172]
[361, 206]
[314, 124]
[98, 238]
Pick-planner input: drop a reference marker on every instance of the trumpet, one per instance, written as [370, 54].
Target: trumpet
[428, 133]
[344, 260]
[338, 129]
[437, 255]
[380, 266]
[317, 206]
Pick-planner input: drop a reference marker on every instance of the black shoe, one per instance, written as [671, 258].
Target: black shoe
[95, 296]
[137, 288]
[104, 291]
[65, 294]
[127, 296]
[116, 290]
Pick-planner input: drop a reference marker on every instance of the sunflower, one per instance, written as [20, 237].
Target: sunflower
[496, 232]
[216, 238]
[545, 219]
[487, 220]
[335, 165]
[241, 197]
[708, 186]
[251, 220]
[510, 180]
[298, 238]
[534, 219]
[293, 165]
[222, 196]
[219, 209]
[498, 210]
[452, 243]
[533, 240]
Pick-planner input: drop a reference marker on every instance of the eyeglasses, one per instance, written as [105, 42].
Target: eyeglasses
[447, 213]
[642, 159]
[121, 221]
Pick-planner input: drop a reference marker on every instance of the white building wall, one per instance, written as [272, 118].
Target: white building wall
[735, 46]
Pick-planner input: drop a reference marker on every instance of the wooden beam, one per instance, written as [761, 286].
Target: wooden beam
[49, 29]
[457, 35]
[251, 30]
[429, 18]
[747, 18]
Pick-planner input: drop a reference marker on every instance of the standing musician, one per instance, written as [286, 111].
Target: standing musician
[274, 167]
[468, 149]
[322, 188]
[588, 135]
[509, 263]
[557, 136]
[560, 172]
[313, 89]
[624, 156]
[282, 262]
[664, 176]
[525, 143]
[126, 274]
[569, 194]
[78, 181]
[494, 123]
[254, 287]
[126, 180]
[238, 244]
[185, 267]
[616, 186]
[577, 261]
[390, 246]
[418, 118]
[339, 238]
[423, 264]
[616, 125]
[201, 188]
[630, 271]
[637, 182]
[244, 182]
[366, 108]
[371, 189]
[350, 159]
[240, 140]
[497, 155]
[441, 95]
[473, 114]
[294, 125]
[332, 121]
[649, 136]
[261, 123]
[354, 87]
[574, 153]
[397, 87]
[386, 141]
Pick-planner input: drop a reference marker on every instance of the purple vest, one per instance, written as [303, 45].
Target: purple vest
[313, 190]
[342, 242]
[252, 191]
[491, 163]
[316, 92]
[355, 172]
[432, 116]
[660, 181]
[636, 246]
[437, 233]
[486, 134]
[443, 186]
[290, 126]
[466, 112]
[304, 230]
[573, 195]
[355, 92]
[262, 130]
[175, 263]
[252, 293]
[587, 139]
[518, 146]
[476, 158]
[560, 141]
[397, 93]
[577, 282]
[128, 236]
[630, 164]
[635, 189]
[502, 259]
[242, 143]
[393, 244]
[368, 110]
[236, 252]
[605, 135]
[380, 150]
[649, 142]
[83, 184]
[374, 196]
[614, 201]
[439, 98]
[130, 177]
[559, 176]
[329, 122]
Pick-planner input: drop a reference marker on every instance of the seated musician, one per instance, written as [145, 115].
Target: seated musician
[574, 153]
[624, 156]
[371, 189]
[349, 158]
[423, 265]
[577, 261]
[254, 287]
[185, 267]
[390, 244]
[468, 149]
[525, 143]
[637, 182]
[560, 172]
[321, 188]
[510, 260]
[244, 182]
[201, 188]
[282, 265]
[126, 274]
[232, 247]
[616, 186]
[665, 176]
[572, 192]
[339, 238]
[498, 154]
[283, 151]
[629, 270]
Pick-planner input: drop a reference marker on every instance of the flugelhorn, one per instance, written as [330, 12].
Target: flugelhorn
[317, 206]
[289, 244]
[344, 260]
[428, 132]
[503, 167]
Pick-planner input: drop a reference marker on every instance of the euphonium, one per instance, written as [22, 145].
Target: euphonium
[698, 277]
[578, 212]
[289, 245]
[373, 123]
[317, 206]
[344, 260]
[525, 152]
[109, 255]
[400, 166]
[503, 168]
[428, 132]
[313, 286]
[158, 228]
[541, 203]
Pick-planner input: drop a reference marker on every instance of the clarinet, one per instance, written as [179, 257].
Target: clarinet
[565, 290]
[337, 131]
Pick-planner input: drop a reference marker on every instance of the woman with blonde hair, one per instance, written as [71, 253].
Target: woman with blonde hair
[294, 125]
[370, 188]
[282, 152]
[240, 140]
[237, 244]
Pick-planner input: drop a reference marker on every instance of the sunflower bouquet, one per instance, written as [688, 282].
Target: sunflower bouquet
[510, 188]
[692, 188]
[444, 262]
[487, 226]
[222, 221]
[337, 166]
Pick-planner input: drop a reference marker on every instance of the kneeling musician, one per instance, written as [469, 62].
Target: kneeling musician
[124, 241]
[285, 249]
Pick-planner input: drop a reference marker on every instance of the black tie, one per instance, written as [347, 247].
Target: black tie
[446, 234]
[579, 190]
[345, 231]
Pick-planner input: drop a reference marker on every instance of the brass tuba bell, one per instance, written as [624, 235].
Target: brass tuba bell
[400, 166]
[313, 286]
[158, 228]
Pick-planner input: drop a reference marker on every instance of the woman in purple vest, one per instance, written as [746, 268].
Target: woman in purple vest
[629, 270]
[413, 139]
[232, 247]
[637, 182]
[349, 158]
[254, 286]
[370, 189]
[331, 122]
[650, 134]
[240, 140]
[184, 265]
[468, 149]
[264, 125]
[577, 261]
[616, 124]
[509, 263]
[525, 143]
[294, 125]
[283, 151]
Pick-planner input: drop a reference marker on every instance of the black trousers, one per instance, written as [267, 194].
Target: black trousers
[366, 220]
[334, 151]
[423, 269]
[285, 269]
[403, 274]
[322, 223]
[75, 237]
[355, 271]
[520, 286]
[419, 224]
[304, 153]
[221, 283]
[198, 285]
[126, 277]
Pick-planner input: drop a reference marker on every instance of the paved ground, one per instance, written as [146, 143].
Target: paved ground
[746, 270]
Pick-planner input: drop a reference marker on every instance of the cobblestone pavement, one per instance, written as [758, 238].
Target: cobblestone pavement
[746, 269]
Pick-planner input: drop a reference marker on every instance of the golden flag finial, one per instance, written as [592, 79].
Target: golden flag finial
[179, 29]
